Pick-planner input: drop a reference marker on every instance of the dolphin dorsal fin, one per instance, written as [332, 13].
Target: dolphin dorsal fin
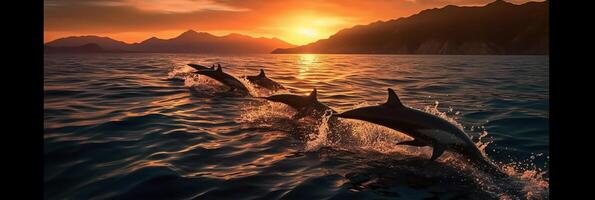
[313, 94]
[220, 69]
[393, 99]
[261, 74]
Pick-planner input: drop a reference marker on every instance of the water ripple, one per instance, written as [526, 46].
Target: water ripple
[114, 129]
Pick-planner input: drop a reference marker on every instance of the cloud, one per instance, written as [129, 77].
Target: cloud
[159, 6]
[179, 6]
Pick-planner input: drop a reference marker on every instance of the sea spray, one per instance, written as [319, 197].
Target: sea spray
[191, 80]
[358, 136]
[318, 139]
[435, 111]
[180, 73]
[202, 83]
[531, 180]
[254, 90]
[264, 112]
[199, 84]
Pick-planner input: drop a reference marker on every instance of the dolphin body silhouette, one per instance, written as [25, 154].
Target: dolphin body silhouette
[262, 80]
[200, 67]
[305, 105]
[425, 128]
[226, 79]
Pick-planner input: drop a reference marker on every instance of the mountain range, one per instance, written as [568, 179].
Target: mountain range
[496, 28]
[187, 42]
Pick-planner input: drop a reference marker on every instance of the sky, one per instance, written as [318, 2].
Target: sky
[295, 21]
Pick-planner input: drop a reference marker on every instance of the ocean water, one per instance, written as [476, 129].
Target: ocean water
[141, 126]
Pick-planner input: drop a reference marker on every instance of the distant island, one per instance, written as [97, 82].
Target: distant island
[496, 28]
[187, 42]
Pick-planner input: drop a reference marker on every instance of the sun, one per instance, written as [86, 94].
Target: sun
[308, 32]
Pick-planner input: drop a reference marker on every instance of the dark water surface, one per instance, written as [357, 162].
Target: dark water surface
[138, 126]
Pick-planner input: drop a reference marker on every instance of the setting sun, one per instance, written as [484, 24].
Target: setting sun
[308, 32]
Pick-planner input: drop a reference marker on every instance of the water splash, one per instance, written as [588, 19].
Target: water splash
[180, 73]
[531, 180]
[265, 114]
[204, 86]
[201, 85]
[357, 136]
[208, 86]
[318, 139]
[481, 145]
[434, 111]
[254, 90]
[191, 80]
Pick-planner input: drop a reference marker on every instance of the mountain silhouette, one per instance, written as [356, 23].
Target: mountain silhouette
[77, 41]
[200, 42]
[86, 48]
[496, 28]
[187, 42]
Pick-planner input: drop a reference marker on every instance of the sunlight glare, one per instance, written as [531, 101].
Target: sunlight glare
[308, 32]
[305, 62]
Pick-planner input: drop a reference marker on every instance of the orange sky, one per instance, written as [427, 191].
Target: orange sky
[295, 21]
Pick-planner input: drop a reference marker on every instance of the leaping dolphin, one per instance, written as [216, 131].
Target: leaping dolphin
[201, 67]
[305, 105]
[262, 80]
[226, 79]
[425, 128]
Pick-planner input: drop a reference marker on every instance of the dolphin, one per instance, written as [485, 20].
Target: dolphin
[200, 67]
[425, 128]
[305, 105]
[226, 79]
[262, 80]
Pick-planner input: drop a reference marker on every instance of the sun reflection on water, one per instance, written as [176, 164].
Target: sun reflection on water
[306, 61]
